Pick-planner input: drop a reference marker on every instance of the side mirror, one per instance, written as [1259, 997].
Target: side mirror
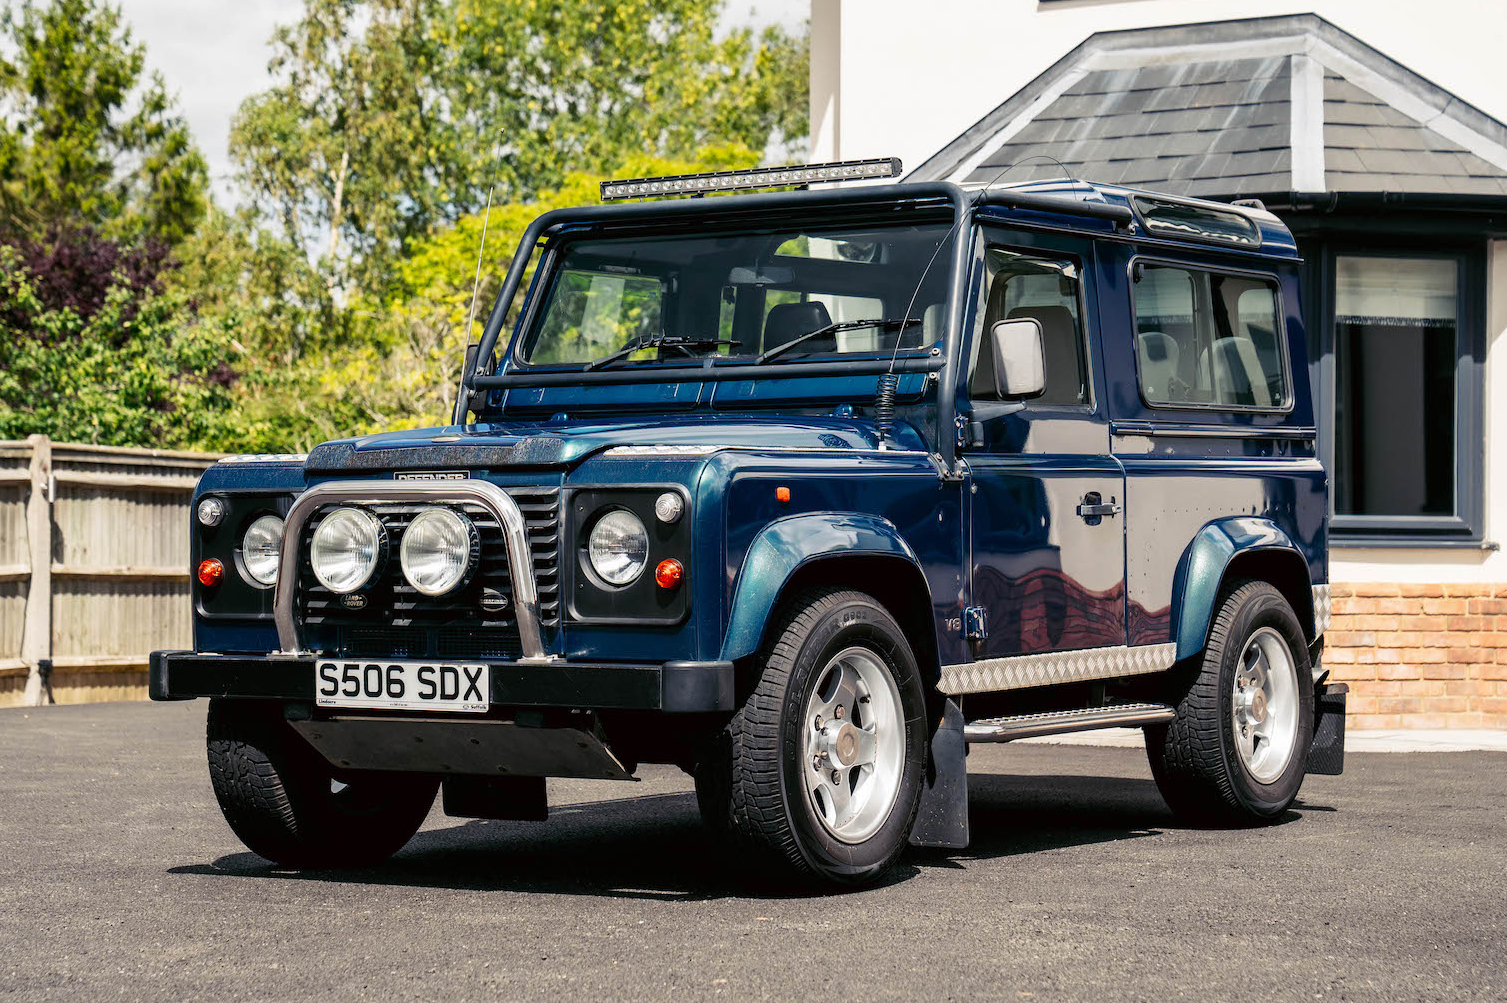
[1019, 362]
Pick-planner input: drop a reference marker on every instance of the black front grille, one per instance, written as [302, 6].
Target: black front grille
[541, 514]
[413, 642]
[398, 621]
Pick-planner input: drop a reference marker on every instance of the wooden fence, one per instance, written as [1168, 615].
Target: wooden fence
[93, 567]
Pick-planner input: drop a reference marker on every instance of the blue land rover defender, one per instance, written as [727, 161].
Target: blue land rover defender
[803, 492]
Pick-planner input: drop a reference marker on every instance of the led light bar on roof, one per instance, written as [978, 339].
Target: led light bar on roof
[757, 177]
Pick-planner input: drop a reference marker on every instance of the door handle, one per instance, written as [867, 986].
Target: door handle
[1095, 507]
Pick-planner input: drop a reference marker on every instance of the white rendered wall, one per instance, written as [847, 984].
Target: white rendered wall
[901, 78]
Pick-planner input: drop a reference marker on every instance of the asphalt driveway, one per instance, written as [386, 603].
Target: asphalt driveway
[119, 880]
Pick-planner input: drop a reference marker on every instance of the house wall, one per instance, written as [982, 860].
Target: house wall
[1420, 634]
[891, 78]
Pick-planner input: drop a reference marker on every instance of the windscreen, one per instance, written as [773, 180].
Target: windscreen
[801, 292]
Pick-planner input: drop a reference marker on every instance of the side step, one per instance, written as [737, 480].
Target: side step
[1062, 722]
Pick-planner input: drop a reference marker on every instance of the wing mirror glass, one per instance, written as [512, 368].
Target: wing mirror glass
[1019, 362]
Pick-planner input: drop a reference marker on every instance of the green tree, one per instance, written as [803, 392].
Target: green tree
[85, 140]
[396, 116]
[353, 154]
[129, 367]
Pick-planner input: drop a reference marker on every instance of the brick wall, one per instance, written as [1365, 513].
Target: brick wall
[1420, 656]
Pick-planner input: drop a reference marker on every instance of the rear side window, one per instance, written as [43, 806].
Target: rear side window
[1204, 339]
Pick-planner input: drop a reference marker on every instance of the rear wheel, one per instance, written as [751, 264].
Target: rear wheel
[820, 771]
[1237, 750]
[286, 803]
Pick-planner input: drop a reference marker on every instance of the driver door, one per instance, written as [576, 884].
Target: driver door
[1047, 551]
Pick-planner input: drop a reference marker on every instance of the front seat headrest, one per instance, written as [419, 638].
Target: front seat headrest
[788, 321]
[1059, 344]
[1159, 355]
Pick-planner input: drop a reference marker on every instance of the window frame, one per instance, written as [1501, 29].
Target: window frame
[1283, 349]
[549, 269]
[1085, 346]
[1467, 524]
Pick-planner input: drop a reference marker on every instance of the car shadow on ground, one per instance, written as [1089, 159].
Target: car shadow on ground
[655, 847]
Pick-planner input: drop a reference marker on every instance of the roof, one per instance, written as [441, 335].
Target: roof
[1094, 208]
[1251, 107]
[1056, 198]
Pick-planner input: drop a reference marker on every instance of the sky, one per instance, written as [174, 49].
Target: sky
[213, 54]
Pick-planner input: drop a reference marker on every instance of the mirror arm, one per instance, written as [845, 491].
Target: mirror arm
[990, 411]
[973, 429]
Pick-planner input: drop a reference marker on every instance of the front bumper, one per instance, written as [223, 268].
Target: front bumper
[673, 687]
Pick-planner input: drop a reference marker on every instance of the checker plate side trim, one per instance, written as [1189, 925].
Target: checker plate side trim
[1321, 609]
[1050, 667]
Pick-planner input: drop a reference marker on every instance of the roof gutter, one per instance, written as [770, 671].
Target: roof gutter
[1477, 204]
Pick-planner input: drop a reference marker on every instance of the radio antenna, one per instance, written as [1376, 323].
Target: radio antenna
[486, 217]
[481, 252]
[1026, 160]
[905, 318]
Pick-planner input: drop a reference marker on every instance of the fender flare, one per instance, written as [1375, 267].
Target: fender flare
[1202, 572]
[790, 543]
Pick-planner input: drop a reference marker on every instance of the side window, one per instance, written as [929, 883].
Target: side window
[1043, 288]
[1208, 340]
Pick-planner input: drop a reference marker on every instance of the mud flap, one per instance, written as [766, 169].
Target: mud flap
[942, 820]
[1326, 756]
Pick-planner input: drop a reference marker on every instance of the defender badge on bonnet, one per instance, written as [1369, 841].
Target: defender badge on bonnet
[431, 475]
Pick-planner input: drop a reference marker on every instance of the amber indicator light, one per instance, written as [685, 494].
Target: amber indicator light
[669, 573]
[782, 495]
[210, 571]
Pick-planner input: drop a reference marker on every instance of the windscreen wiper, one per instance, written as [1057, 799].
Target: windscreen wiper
[884, 324]
[658, 341]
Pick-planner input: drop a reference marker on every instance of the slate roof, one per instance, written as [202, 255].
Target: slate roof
[1260, 106]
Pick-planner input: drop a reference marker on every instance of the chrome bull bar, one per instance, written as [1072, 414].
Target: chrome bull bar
[489, 496]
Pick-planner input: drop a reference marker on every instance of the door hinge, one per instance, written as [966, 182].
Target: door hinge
[975, 623]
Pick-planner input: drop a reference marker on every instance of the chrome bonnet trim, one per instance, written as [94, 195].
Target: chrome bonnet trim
[489, 496]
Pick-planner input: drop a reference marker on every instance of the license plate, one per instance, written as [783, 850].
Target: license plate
[401, 685]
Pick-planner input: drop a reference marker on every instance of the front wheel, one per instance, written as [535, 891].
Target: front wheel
[286, 802]
[1237, 750]
[820, 770]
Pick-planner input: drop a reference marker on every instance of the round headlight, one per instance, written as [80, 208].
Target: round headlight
[346, 549]
[437, 550]
[618, 547]
[261, 549]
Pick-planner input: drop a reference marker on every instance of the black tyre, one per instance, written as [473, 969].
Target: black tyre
[820, 770]
[1237, 750]
[286, 803]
